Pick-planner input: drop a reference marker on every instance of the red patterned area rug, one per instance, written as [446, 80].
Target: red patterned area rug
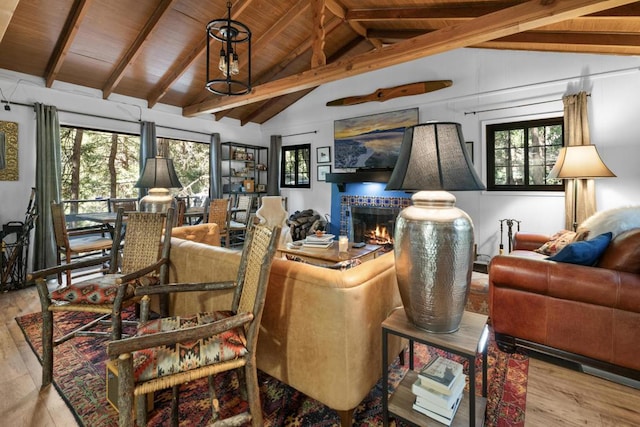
[79, 376]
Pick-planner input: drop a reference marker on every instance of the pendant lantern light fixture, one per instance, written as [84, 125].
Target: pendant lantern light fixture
[223, 73]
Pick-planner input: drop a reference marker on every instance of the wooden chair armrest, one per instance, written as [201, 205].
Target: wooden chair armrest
[74, 265]
[183, 287]
[128, 345]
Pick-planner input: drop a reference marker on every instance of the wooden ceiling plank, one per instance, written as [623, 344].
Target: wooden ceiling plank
[7, 8]
[78, 11]
[522, 17]
[136, 48]
[318, 57]
[181, 66]
[341, 12]
[426, 12]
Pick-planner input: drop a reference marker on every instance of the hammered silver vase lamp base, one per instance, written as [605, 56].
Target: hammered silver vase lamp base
[434, 258]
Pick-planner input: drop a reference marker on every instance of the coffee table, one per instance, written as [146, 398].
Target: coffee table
[331, 254]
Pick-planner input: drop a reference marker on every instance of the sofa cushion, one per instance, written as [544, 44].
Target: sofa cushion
[623, 253]
[617, 220]
[556, 242]
[586, 252]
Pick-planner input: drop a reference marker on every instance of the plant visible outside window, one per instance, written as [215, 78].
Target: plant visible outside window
[520, 155]
[98, 165]
[296, 166]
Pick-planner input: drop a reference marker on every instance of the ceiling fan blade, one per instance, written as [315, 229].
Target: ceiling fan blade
[385, 94]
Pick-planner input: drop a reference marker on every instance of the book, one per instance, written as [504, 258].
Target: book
[436, 416]
[444, 401]
[445, 412]
[440, 374]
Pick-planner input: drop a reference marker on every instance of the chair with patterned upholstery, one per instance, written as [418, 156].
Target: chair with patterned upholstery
[168, 352]
[142, 260]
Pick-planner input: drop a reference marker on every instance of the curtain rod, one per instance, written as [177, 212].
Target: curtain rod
[106, 117]
[301, 133]
[514, 106]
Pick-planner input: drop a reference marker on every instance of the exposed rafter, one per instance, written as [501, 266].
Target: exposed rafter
[78, 11]
[522, 17]
[136, 47]
[318, 57]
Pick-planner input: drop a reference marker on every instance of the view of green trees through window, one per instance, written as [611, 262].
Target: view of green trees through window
[103, 165]
[520, 155]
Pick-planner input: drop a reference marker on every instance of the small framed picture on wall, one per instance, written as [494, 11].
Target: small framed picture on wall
[324, 154]
[323, 171]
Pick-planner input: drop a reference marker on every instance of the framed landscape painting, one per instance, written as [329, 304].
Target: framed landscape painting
[371, 141]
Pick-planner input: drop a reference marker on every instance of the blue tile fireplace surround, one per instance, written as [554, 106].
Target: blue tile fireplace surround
[367, 200]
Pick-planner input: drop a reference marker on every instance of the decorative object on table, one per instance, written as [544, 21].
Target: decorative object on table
[158, 176]
[439, 389]
[323, 154]
[261, 188]
[386, 94]
[8, 151]
[433, 239]
[323, 170]
[230, 33]
[579, 162]
[353, 136]
[249, 185]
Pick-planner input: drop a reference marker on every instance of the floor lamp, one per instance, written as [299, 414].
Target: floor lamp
[579, 162]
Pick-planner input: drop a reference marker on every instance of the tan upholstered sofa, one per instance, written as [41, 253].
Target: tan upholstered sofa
[320, 327]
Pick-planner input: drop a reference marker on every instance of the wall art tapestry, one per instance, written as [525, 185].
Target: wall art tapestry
[371, 141]
[8, 151]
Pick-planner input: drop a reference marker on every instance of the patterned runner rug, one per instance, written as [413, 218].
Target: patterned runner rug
[79, 376]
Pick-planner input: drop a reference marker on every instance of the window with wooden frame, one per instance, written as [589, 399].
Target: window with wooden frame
[520, 155]
[296, 166]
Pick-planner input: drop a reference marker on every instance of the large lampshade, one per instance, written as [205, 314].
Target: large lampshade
[158, 176]
[434, 239]
[579, 162]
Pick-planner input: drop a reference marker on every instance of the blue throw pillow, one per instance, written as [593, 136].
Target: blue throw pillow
[586, 252]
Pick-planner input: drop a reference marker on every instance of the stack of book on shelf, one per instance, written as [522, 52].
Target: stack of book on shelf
[439, 389]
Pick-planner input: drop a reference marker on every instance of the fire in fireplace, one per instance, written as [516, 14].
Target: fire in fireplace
[373, 225]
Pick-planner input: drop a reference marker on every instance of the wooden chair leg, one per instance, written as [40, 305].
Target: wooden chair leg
[141, 409]
[125, 390]
[175, 403]
[253, 393]
[47, 348]
[213, 398]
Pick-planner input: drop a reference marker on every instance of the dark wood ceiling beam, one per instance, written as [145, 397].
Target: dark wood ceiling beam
[466, 12]
[341, 12]
[262, 107]
[534, 37]
[523, 17]
[136, 48]
[318, 57]
[180, 67]
[78, 11]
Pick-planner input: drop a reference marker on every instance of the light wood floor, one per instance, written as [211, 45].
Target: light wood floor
[555, 396]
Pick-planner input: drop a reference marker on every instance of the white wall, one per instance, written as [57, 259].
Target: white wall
[501, 81]
[81, 106]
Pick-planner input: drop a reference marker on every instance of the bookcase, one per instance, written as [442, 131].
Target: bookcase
[243, 169]
[470, 339]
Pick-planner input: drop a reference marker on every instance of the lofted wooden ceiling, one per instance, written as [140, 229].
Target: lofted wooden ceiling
[155, 49]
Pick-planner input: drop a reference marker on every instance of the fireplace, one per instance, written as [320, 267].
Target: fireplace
[373, 225]
[370, 219]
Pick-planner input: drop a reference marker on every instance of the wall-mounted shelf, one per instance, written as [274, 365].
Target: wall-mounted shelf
[359, 176]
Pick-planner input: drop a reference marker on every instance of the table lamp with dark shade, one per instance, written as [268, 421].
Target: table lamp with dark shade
[579, 162]
[433, 239]
[158, 176]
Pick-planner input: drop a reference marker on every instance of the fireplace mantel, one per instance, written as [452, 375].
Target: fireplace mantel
[359, 176]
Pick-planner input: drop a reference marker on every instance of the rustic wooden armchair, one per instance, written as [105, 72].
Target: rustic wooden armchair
[144, 262]
[75, 243]
[156, 358]
[219, 213]
[240, 218]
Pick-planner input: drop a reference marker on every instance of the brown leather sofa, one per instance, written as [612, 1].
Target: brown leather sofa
[320, 330]
[588, 315]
